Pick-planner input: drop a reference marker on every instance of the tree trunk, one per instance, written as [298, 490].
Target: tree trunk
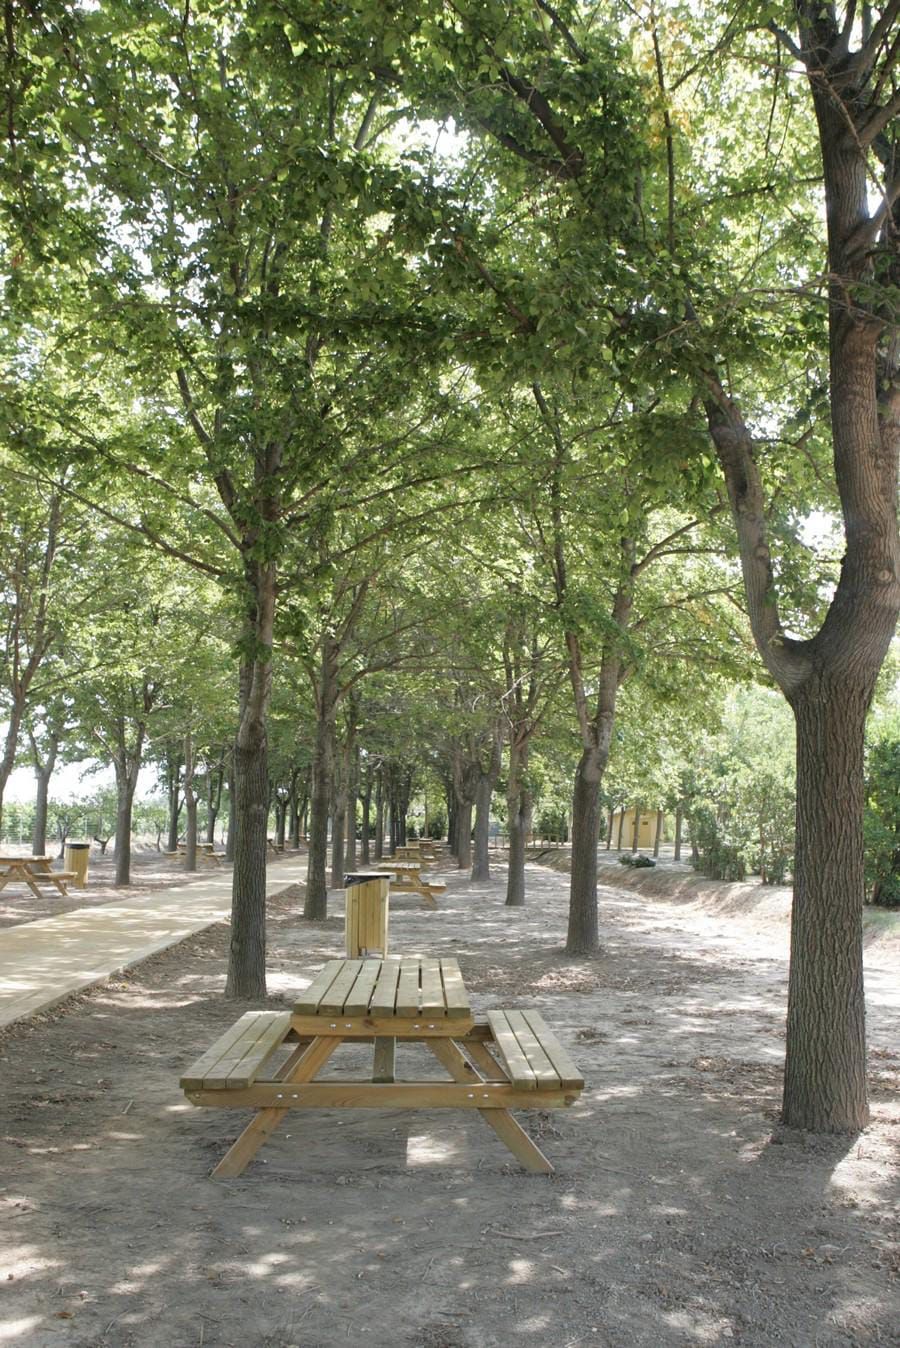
[519, 811]
[190, 806]
[316, 906]
[679, 821]
[214, 779]
[352, 791]
[583, 932]
[247, 952]
[173, 775]
[464, 834]
[825, 1083]
[635, 832]
[247, 963]
[517, 808]
[43, 771]
[365, 854]
[609, 830]
[338, 823]
[124, 801]
[281, 809]
[379, 814]
[39, 831]
[658, 835]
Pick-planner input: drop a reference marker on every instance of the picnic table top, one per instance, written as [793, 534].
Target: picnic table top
[402, 989]
[23, 861]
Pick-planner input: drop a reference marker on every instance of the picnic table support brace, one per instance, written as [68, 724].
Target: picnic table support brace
[383, 1058]
[502, 1122]
[302, 1065]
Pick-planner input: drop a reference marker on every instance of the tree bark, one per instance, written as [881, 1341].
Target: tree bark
[315, 908]
[379, 814]
[829, 678]
[679, 822]
[43, 771]
[583, 930]
[825, 1085]
[635, 832]
[464, 834]
[658, 835]
[338, 822]
[247, 954]
[518, 801]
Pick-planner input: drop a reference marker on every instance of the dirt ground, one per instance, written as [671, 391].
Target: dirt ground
[678, 1215]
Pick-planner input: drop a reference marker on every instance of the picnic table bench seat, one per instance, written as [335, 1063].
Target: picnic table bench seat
[239, 1055]
[530, 1053]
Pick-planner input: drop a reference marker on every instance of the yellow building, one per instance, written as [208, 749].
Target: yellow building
[623, 828]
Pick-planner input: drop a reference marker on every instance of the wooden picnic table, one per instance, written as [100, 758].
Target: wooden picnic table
[269, 1060]
[206, 851]
[33, 871]
[408, 880]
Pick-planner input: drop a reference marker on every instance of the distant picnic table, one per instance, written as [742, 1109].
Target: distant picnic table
[33, 872]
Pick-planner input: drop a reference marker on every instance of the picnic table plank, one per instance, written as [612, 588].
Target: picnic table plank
[563, 1064]
[384, 998]
[308, 1005]
[356, 1003]
[433, 1003]
[514, 1059]
[243, 1032]
[332, 1003]
[455, 996]
[544, 1072]
[409, 994]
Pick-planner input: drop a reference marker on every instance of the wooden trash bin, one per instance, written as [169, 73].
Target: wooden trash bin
[366, 914]
[77, 857]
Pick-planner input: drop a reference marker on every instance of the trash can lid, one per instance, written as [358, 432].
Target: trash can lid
[76, 846]
[360, 877]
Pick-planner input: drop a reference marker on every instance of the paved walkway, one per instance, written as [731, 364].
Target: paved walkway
[45, 961]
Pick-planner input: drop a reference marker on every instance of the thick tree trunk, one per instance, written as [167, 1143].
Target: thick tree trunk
[825, 1084]
[679, 823]
[518, 812]
[124, 801]
[247, 964]
[281, 808]
[247, 953]
[657, 837]
[39, 830]
[338, 824]
[464, 834]
[583, 931]
[635, 832]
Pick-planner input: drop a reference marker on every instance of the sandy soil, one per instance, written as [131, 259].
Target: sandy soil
[678, 1215]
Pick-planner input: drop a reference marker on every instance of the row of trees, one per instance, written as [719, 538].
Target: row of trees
[359, 313]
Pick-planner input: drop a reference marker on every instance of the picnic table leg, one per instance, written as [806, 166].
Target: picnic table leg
[31, 885]
[383, 1058]
[301, 1066]
[502, 1122]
